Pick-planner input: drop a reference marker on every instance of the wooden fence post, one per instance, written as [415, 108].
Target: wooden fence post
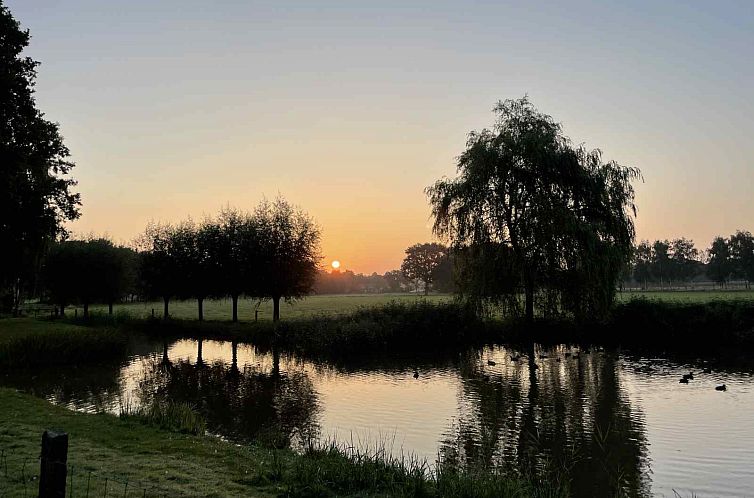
[53, 464]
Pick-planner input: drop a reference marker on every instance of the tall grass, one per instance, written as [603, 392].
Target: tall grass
[34, 343]
[332, 469]
[168, 415]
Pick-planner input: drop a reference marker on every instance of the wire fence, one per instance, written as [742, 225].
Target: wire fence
[20, 475]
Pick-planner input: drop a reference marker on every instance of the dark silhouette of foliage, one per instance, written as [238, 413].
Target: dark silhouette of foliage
[159, 271]
[87, 272]
[290, 252]
[742, 254]
[36, 194]
[422, 261]
[565, 215]
[720, 266]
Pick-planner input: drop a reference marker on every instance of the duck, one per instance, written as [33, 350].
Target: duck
[416, 373]
[557, 360]
[684, 380]
[689, 376]
[515, 358]
[567, 355]
[491, 363]
[707, 370]
[722, 387]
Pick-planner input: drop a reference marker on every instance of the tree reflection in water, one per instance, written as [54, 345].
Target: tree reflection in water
[246, 404]
[568, 419]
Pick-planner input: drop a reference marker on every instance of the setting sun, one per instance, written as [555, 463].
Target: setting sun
[335, 264]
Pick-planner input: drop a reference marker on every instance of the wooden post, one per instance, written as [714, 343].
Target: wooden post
[53, 464]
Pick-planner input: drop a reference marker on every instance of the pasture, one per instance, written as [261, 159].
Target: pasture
[220, 309]
[333, 305]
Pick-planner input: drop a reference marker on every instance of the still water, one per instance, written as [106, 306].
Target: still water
[605, 419]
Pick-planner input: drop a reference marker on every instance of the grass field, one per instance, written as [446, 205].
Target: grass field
[704, 296]
[220, 309]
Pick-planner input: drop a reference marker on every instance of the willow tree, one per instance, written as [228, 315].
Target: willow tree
[563, 215]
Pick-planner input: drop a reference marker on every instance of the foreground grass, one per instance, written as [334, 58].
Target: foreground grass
[160, 463]
[26, 342]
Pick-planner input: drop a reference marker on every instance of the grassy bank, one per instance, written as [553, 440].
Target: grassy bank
[28, 342]
[156, 462]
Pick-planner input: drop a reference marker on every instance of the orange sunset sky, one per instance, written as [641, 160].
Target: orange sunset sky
[350, 110]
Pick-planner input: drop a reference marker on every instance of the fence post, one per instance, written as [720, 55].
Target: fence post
[53, 464]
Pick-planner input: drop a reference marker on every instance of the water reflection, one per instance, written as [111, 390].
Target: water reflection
[587, 417]
[552, 416]
[250, 402]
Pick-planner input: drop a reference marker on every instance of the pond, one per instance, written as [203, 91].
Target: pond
[602, 418]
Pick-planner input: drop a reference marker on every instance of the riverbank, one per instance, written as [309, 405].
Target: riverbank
[27, 342]
[133, 459]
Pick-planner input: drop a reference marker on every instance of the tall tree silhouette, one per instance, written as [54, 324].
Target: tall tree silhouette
[36, 194]
[565, 214]
[290, 252]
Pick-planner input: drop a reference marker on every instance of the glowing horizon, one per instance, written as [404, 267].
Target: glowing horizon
[176, 109]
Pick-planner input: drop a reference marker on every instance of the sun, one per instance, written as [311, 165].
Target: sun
[335, 264]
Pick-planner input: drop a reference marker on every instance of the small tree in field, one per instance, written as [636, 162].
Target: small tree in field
[422, 261]
[289, 251]
[742, 255]
[159, 273]
[719, 265]
[236, 249]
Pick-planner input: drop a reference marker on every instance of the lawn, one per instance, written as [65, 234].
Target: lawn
[109, 456]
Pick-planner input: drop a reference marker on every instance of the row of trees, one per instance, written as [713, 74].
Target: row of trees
[271, 253]
[678, 261]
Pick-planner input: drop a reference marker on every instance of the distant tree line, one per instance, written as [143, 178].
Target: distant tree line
[677, 262]
[271, 253]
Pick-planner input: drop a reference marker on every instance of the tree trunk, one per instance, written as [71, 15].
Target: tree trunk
[110, 308]
[200, 303]
[165, 313]
[62, 310]
[275, 308]
[235, 307]
[426, 288]
[86, 310]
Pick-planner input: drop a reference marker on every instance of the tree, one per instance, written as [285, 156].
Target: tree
[159, 273]
[290, 252]
[396, 281]
[422, 261]
[643, 263]
[720, 266]
[742, 256]
[36, 195]
[684, 259]
[86, 272]
[565, 215]
[660, 266]
[237, 255]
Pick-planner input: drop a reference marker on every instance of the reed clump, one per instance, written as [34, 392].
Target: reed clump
[168, 415]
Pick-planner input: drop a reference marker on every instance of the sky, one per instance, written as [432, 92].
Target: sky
[177, 108]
